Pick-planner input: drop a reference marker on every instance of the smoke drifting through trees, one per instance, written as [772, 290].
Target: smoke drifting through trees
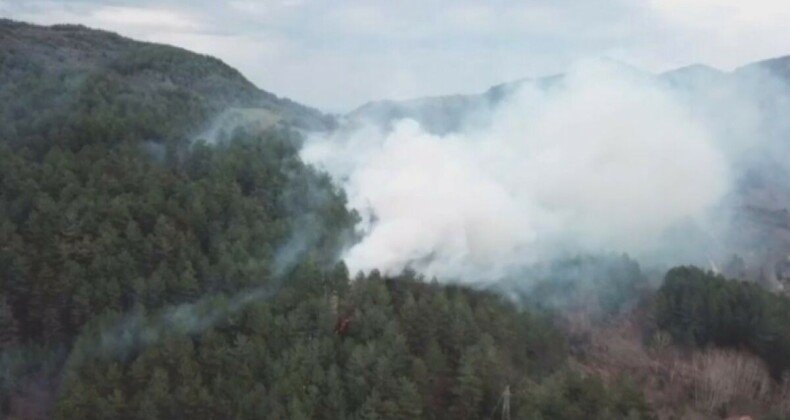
[609, 160]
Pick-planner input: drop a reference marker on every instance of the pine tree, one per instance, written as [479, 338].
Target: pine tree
[408, 400]
[333, 402]
[467, 392]
[9, 328]
[369, 409]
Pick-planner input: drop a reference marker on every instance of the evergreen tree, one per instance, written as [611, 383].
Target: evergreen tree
[467, 392]
[8, 326]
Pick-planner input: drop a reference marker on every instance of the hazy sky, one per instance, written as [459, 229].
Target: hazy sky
[336, 55]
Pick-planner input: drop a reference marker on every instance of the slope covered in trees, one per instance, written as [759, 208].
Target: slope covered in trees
[107, 229]
[71, 83]
[108, 208]
[403, 349]
[201, 285]
[146, 275]
[701, 308]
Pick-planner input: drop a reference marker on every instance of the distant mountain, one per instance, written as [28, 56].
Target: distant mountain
[439, 114]
[443, 114]
[692, 75]
[47, 73]
[778, 67]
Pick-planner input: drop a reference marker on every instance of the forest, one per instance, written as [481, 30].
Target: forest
[127, 278]
[149, 274]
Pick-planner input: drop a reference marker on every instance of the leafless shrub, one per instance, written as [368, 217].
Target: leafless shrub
[722, 376]
[681, 382]
[579, 328]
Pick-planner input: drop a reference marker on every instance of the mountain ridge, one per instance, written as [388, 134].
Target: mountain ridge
[429, 110]
[58, 68]
[60, 50]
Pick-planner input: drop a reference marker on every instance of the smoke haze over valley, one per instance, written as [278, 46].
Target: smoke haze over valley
[605, 158]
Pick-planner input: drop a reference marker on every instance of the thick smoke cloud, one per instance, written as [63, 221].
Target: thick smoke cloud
[611, 160]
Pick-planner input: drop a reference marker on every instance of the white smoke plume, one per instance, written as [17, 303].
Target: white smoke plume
[610, 161]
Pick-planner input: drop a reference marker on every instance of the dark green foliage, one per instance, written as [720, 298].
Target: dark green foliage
[702, 308]
[75, 85]
[106, 208]
[569, 395]
[9, 329]
[144, 276]
[107, 229]
[285, 358]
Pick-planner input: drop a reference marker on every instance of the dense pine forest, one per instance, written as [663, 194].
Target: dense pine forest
[149, 273]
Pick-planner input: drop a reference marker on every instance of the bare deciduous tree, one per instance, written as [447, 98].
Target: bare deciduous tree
[722, 376]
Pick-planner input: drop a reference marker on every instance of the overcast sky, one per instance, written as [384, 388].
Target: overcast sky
[336, 55]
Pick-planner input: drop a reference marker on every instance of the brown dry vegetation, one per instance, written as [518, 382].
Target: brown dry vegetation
[679, 383]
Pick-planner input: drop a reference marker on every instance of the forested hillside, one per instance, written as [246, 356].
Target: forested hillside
[148, 274]
[71, 83]
[393, 348]
[98, 229]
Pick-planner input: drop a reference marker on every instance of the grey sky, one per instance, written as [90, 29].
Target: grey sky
[336, 55]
